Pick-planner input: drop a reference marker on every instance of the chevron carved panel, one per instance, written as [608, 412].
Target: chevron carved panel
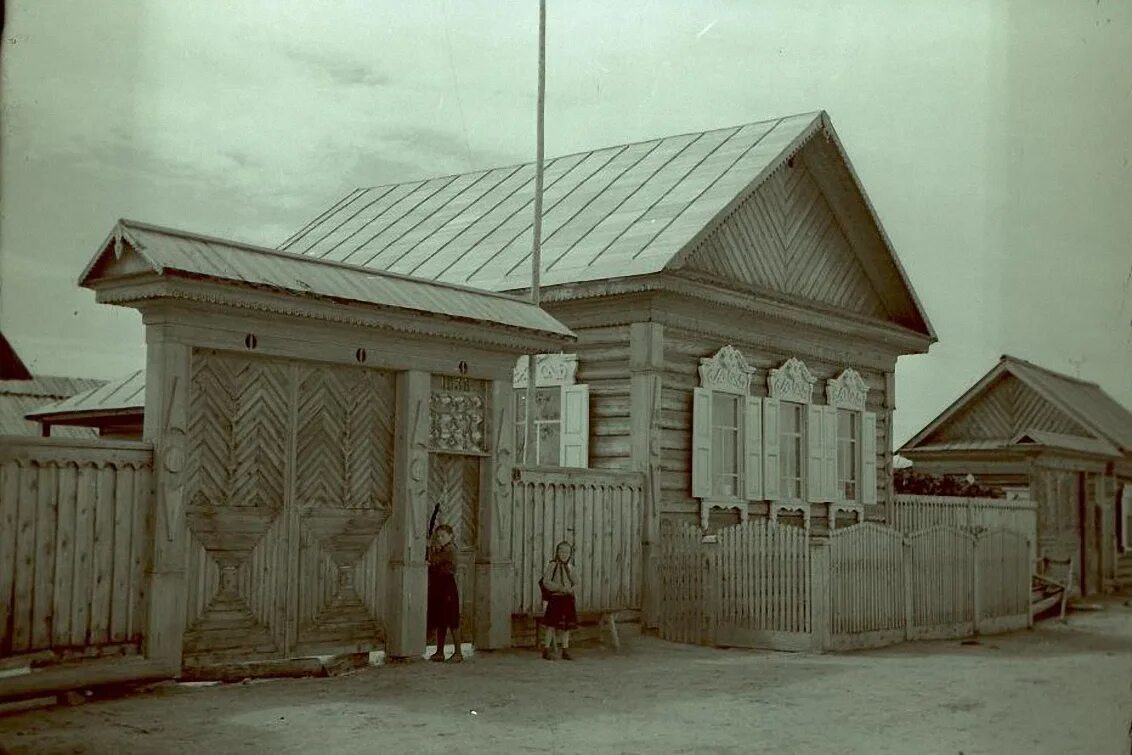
[787, 239]
[1007, 407]
[237, 431]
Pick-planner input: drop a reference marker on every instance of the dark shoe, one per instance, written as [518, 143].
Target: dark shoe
[546, 654]
[456, 658]
[566, 655]
[437, 657]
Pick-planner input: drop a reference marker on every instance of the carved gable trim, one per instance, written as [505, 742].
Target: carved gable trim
[793, 381]
[726, 371]
[550, 369]
[847, 391]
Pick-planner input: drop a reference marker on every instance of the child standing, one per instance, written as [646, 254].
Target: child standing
[443, 595]
[560, 583]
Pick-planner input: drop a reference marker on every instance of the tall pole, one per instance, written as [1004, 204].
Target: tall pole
[536, 241]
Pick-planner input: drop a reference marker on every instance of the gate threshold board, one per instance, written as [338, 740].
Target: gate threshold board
[322, 665]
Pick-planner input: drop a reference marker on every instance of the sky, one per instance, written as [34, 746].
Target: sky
[994, 139]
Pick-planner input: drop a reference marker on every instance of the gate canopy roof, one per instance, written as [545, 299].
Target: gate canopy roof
[133, 249]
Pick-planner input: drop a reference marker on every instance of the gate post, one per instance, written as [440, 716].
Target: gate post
[408, 586]
[494, 570]
[821, 594]
[168, 384]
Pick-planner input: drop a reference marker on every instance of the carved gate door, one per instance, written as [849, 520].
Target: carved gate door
[289, 472]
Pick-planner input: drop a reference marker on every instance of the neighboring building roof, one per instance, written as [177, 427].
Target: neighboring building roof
[1084, 402]
[11, 366]
[171, 252]
[630, 210]
[126, 395]
[18, 397]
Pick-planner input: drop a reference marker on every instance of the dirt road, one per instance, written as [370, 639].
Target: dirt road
[1058, 689]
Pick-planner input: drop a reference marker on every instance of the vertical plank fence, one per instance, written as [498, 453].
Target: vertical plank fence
[76, 537]
[767, 585]
[600, 513]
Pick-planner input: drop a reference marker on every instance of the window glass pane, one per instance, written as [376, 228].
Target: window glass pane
[548, 403]
[844, 424]
[548, 443]
[724, 410]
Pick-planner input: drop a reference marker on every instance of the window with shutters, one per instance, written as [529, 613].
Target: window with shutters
[560, 409]
[856, 441]
[727, 429]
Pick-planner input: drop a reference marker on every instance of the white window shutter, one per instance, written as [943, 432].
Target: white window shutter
[771, 444]
[575, 450]
[701, 443]
[868, 457]
[829, 453]
[753, 449]
[815, 459]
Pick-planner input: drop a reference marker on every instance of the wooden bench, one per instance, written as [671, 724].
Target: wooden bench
[591, 624]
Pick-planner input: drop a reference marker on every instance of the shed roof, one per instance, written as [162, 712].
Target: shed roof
[629, 210]
[1085, 402]
[167, 251]
[18, 397]
[124, 395]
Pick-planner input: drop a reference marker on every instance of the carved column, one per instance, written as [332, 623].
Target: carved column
[408, 584]
[168, 382]
[494, 570]
[646, 367]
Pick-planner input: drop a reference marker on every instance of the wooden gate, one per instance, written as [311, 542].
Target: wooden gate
[290, 480]
[454, 485]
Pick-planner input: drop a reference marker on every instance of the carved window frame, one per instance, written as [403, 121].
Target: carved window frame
[556, 370]
[849, 392]
[727, 372]
[793, 383]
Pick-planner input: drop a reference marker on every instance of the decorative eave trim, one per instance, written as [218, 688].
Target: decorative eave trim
[550, 370]
[726, 371]
[793, 381]
[847, 391]
[138, 291]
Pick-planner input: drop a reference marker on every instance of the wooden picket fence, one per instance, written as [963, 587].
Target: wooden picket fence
[767, 585]
[600, 513]
[76, 537]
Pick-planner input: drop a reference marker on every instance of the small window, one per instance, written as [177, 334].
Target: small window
[848, 453]
[725, 414]
[792, 434]
[547, 425]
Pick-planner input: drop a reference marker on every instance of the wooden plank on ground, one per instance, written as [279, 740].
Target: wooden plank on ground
[85, 675]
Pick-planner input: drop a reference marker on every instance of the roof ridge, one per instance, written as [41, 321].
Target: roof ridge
[1018, 360]
[308, 259]
[563, 156]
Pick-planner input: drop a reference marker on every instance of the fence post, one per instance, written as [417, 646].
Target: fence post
[976, 598]
[821, 594]
[906, 564]
[709, 590]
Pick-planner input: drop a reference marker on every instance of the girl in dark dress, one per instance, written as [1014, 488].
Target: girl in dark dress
[443, 597]
[560, 583]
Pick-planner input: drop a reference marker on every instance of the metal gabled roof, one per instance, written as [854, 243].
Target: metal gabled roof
[616, 212]
[122, 395]
[1085, 402]
[166, 251]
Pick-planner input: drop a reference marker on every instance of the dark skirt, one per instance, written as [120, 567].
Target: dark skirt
[561, 613]
[443, 602]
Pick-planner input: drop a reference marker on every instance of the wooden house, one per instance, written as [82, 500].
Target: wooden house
[1060, 440]
[738, 306]
[22, 392]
